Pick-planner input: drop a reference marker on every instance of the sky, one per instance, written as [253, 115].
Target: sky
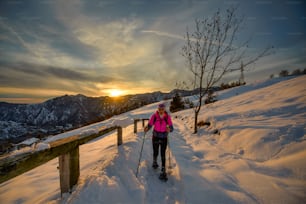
[107, 47]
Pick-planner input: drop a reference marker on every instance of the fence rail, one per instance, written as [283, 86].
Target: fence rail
[137, 120]
[66, 149]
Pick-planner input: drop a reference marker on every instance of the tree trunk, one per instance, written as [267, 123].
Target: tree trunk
[196, 122]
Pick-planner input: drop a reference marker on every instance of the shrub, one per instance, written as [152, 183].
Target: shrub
[189, 103]
[202, 123]
[283, 73]
[296, 72]
[211, 97]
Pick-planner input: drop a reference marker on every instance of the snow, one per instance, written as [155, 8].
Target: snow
[42, 146]
[9, 128]
[123, 122]
[253, 151]
[29, 141]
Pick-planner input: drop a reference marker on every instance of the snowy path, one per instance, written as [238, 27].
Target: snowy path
[159, 191]
[116, 182]
[197, 175]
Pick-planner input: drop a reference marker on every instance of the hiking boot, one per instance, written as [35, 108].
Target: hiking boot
[155, 165]
[163, 174]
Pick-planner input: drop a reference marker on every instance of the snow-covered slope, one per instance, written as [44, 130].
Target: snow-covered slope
[258, 153]
[254, 151]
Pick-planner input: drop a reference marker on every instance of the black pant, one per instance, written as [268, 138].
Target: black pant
[162, 142]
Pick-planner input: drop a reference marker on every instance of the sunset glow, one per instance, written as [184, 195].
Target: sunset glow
[113, 48]
[115, 92]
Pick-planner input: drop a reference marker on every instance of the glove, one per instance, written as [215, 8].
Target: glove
[168, 128]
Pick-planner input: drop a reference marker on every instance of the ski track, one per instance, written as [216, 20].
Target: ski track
[120, 172]
[185, 184]
[158, 191]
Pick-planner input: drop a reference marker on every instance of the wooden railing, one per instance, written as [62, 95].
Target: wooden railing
[136, 121]
[66, 149]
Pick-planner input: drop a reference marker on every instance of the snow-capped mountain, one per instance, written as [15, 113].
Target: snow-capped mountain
[21, 121]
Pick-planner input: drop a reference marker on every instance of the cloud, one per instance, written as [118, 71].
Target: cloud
[47, 71]
[76, 75]
[76, 46]
[120, 50]
[165, 34]
[44, 43]
[50, 79]
[23, 43]
[113, 47]
[118, 41]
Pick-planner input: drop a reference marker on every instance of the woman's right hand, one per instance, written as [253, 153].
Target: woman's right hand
[168, 128]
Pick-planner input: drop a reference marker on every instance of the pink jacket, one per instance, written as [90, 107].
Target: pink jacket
[160, 124]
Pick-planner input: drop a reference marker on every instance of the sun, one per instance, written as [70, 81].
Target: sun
[115, 92]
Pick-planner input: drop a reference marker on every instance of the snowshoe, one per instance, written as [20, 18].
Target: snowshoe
[163, 175]
[155, 165]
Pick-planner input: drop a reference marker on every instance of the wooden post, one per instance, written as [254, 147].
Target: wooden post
[119, 136]
[75, 166]
[69, 167]
[135, 125]
[67, 149]
[143, 122]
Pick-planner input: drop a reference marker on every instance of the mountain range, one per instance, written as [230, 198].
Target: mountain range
[21, 121]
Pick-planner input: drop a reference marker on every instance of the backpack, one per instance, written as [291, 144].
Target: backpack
[165, 118]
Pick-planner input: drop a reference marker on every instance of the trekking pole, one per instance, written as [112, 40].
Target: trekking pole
[168, 140]
[144, 136]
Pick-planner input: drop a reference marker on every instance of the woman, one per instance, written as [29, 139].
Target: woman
[162, 123]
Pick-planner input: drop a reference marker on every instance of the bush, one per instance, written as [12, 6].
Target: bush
[189, 103]
[296, 72]
[231, 85]
[224, 86]
[283, 73]
[211, 97]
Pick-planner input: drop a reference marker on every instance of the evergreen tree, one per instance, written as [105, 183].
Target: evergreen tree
[177, 103]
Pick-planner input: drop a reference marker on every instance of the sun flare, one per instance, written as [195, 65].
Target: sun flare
[115, 93]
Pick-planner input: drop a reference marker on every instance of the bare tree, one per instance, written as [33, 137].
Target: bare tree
[211, 52]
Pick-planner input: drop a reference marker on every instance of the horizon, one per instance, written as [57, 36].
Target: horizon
[124, 95]
[117, 96]
[114, 48]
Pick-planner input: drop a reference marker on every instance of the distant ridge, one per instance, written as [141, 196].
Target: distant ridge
[21, 121]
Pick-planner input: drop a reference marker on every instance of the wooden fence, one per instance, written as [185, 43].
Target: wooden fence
[67, 150]
[136, 121]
